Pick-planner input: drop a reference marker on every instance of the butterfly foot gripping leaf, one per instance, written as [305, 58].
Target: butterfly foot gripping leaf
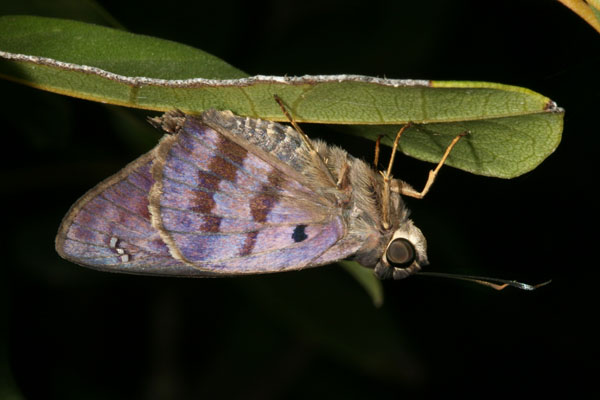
[227, 195]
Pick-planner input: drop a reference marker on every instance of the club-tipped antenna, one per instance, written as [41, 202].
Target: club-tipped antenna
[494, 283]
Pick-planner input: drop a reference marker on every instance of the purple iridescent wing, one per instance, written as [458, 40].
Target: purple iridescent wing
[226, 206]
[286, 145]
[223, 195]
[109, 228]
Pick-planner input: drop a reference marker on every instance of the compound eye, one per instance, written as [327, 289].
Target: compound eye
[400, 253]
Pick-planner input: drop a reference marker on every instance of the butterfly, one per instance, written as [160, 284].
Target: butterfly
[225, 195]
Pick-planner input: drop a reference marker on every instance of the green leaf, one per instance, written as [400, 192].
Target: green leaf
[367, 279]
[81, 10]
[504, 147]
[512, 129]
[105, 48]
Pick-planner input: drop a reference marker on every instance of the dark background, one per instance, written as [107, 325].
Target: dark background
[68, 332]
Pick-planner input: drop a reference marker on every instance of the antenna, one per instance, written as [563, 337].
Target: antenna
[494, 283]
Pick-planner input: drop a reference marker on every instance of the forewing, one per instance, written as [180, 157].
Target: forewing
[109, 228]
[226, 206]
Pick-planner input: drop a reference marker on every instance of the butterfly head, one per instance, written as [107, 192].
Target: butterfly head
[405, 253]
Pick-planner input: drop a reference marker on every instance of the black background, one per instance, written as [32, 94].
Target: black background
[72, 333]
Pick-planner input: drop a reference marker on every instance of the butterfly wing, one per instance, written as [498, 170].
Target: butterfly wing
[207, 202]
[286, 144]
[227, 206]
[109, 228]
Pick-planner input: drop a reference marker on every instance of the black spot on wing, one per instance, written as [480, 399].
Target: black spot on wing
[299, 235]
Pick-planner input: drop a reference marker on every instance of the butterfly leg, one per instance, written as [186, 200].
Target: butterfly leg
[387, 179]
[407, 190]
[377, 144]
[343, 181]
[313, 152]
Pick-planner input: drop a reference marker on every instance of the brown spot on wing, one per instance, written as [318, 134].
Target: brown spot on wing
[145, 212]
[221, 169]
[204, 202]
[211, 224]
[263, 202]
[233, 151]
[249, 243]
[260, 207]
[208, 181]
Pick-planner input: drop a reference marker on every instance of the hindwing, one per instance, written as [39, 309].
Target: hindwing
[109, 228]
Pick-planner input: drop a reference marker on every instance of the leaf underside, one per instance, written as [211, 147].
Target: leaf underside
[511, 129]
